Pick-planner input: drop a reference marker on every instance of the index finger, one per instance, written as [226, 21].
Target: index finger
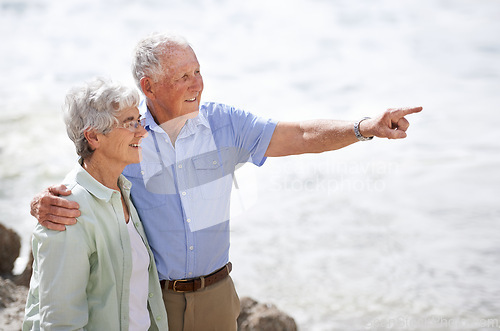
[406, 110]
[64, 203]
[50, 201]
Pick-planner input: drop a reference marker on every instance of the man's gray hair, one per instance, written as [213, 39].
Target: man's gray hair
[95, 105]
[148, 52]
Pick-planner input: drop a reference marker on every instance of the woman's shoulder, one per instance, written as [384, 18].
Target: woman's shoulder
[80, 195]
[81, 185]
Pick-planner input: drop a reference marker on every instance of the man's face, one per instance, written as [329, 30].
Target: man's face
[178, 90]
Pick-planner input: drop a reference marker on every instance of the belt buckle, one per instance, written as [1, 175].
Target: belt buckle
[179, 281]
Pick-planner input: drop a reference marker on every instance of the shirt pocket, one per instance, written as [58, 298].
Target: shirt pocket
[151, 183]
[214, 172]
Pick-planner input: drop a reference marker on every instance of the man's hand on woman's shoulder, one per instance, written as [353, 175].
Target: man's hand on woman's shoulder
[53, 211]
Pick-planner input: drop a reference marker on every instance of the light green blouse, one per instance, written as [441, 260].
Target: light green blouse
[81, 276]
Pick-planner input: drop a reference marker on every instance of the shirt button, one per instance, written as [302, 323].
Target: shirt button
[142, 172]
[214, 162]
[136, 223]
[151, 295]
[158, 318]
[191, 248]
[183, 193]
[179, 166]
[190, 273]
[188, 220]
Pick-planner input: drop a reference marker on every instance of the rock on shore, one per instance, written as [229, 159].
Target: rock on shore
[263, 317]
[13, 289]
[12, 301]
[11, 246]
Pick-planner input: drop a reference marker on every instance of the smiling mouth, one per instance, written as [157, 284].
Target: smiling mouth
[191, 100]
[134, 145]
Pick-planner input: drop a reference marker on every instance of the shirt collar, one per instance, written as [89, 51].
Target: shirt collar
[191, 124]
[101, 192]
[150, 123]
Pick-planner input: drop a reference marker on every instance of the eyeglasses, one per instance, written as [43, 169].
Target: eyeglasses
[133, 126]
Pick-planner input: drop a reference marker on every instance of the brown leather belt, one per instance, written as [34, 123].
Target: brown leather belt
[195, 284]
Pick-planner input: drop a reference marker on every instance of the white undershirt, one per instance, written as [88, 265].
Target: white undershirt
[138, 300]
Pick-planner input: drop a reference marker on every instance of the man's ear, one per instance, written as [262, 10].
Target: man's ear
[92, 138]
[147, 87]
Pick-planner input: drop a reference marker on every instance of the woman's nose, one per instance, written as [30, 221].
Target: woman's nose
[141, 132]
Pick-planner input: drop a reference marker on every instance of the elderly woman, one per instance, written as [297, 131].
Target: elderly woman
[100, 273]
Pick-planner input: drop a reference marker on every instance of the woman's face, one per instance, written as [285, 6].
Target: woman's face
[121, 144]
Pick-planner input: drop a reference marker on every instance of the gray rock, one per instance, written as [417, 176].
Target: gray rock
[9, 249]
[12, 296]
[12, 302]
[263, 317]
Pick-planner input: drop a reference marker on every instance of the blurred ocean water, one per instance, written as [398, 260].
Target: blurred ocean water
[399, 235]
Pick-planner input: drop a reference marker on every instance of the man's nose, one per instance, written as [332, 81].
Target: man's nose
[197, 83]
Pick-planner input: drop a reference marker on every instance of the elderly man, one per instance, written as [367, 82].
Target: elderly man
[182, 187]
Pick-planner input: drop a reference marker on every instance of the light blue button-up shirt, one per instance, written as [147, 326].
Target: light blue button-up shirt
[182, 194]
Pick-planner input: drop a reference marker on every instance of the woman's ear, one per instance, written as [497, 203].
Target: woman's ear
[147, 87]
[92, 138]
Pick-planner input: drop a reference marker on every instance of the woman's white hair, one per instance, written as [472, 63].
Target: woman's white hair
[148, 52]
[95, 106]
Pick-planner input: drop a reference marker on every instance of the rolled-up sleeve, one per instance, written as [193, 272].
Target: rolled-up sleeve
[252, 135]
[249, 134]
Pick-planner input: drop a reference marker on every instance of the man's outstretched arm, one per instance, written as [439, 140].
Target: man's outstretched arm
[316, 136]
[52, 211]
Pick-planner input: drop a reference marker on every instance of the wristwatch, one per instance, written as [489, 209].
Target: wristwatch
[357, 133]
